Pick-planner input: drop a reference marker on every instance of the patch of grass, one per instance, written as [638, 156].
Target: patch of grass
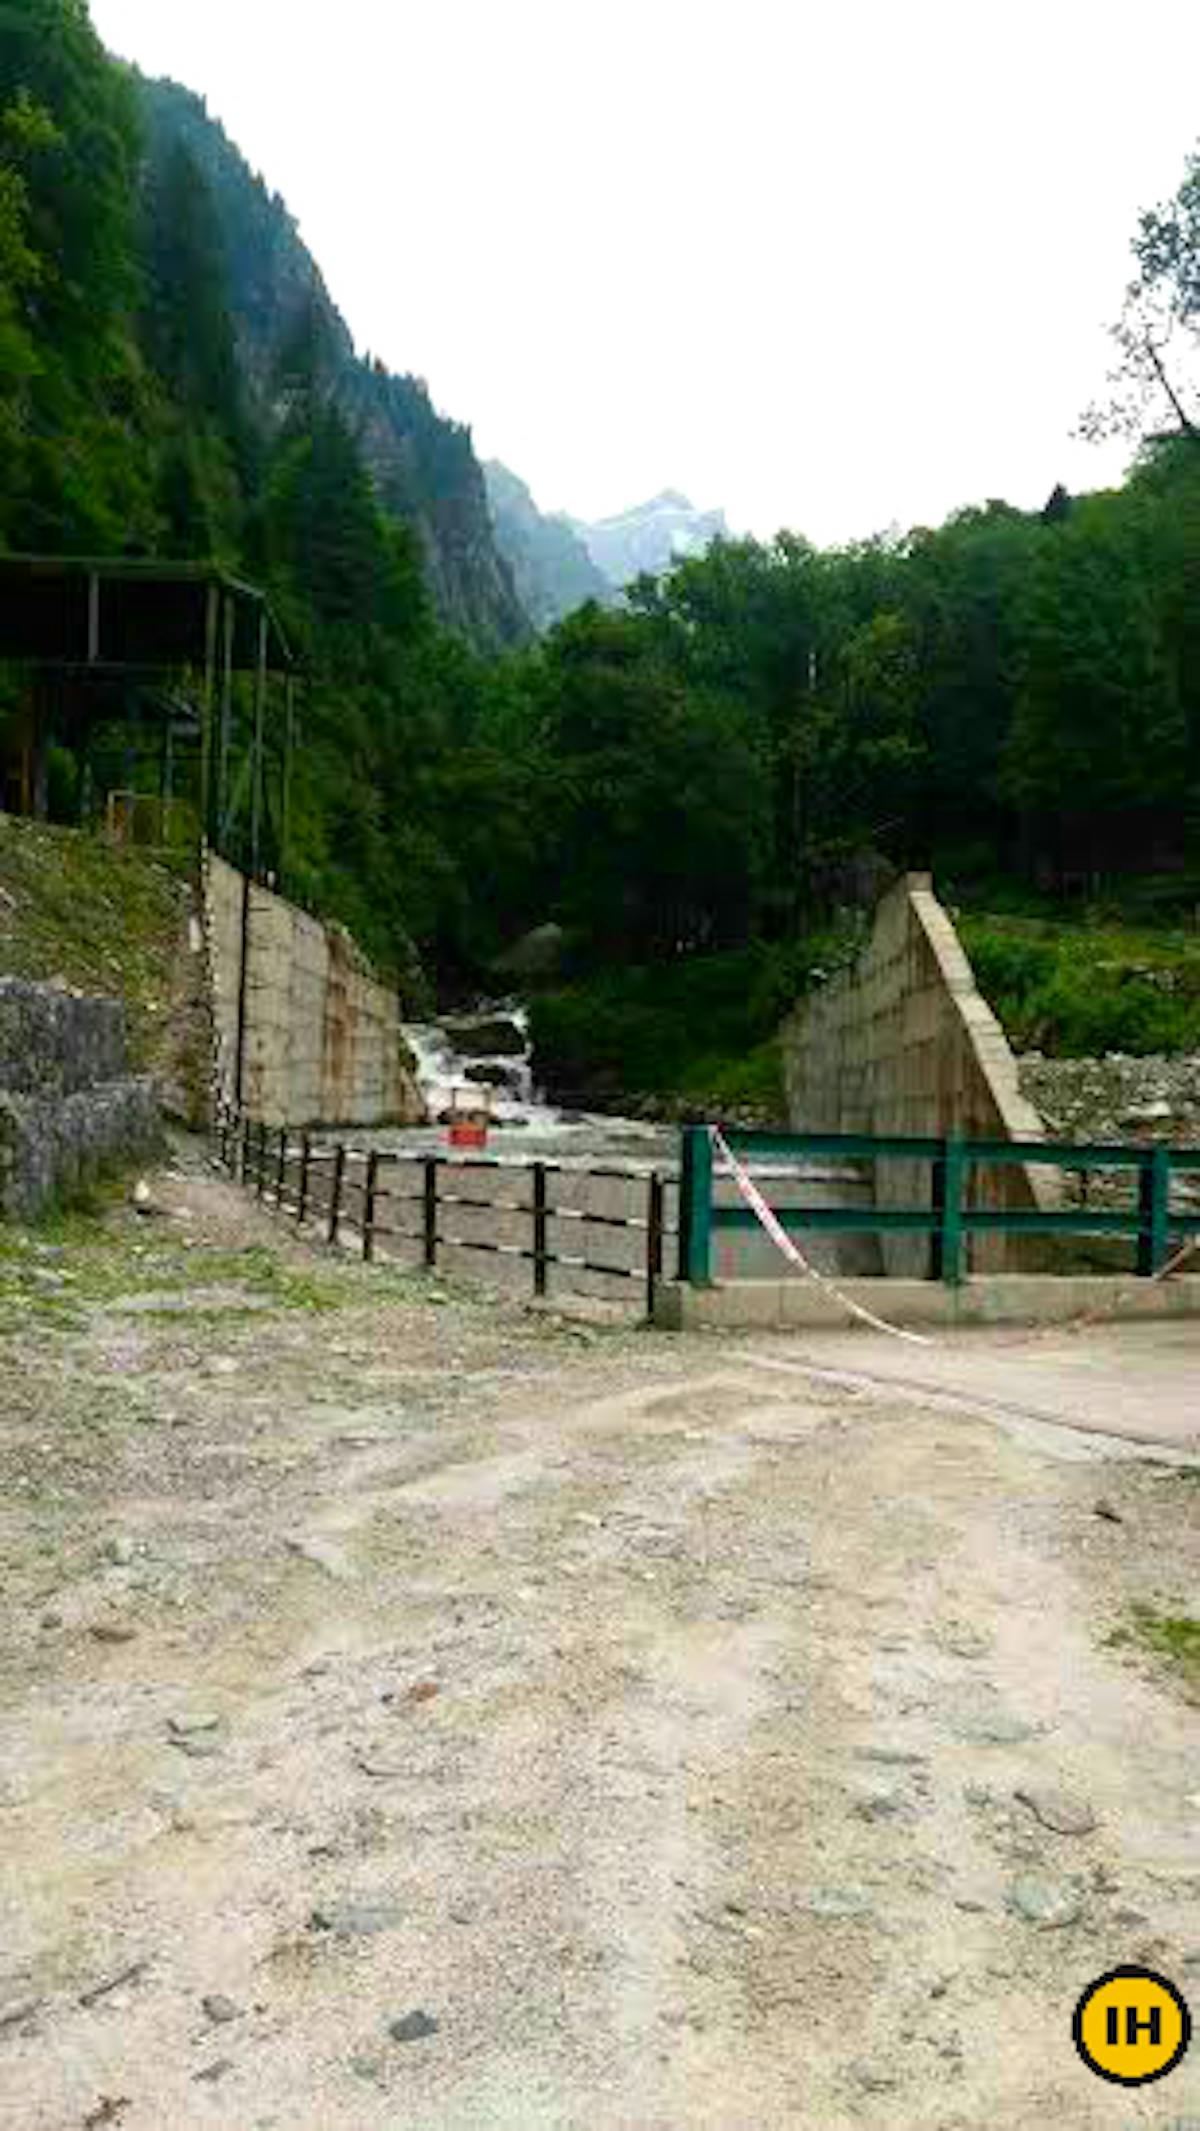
[73, 905]
[700, 1029]
[77, 1258]
[1075, 988]
[1172, 1637]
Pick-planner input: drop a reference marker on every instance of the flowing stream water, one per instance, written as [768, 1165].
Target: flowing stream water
[491, 1046]
[598, 1165]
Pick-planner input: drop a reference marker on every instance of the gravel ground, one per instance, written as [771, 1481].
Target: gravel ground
[420, 1711]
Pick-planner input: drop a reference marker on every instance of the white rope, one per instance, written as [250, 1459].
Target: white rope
[783, 1242]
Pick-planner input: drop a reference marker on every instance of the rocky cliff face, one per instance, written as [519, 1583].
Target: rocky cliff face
[649, 538]
[551, 567]
[424, 467]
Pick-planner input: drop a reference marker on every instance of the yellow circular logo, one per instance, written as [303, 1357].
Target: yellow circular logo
[1132, 2026]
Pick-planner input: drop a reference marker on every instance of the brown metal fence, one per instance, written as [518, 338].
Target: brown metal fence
[377, 1199]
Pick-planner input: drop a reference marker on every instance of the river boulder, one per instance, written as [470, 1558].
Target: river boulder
[496, 1036]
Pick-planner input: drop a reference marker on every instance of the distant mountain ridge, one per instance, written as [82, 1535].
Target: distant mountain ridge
[423, 466]
[551, 567]
[650, 537]
[558, 563]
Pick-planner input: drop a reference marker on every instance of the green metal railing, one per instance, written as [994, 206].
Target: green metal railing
[949, 1217]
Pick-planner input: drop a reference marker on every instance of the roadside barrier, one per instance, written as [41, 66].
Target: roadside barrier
[1154, 1225]
[769, 1220]
[364, 1197]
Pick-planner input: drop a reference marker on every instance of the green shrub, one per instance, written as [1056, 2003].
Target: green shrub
[701, 1028]
[1076, 991]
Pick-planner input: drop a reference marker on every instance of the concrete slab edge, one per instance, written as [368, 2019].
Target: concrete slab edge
[996, 1299]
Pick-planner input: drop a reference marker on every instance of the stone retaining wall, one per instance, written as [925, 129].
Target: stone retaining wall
[69, 1109]
[322, 1041]
[53, 1042]
[903, 1043]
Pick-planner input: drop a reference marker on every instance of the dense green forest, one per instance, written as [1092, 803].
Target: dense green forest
[175, 383]
[724, 767]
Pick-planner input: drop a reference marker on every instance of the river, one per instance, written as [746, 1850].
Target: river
[597, 1185]
[452, 1053]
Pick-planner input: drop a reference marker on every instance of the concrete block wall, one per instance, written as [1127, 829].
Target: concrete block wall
[323, 1042]
[903, 1042]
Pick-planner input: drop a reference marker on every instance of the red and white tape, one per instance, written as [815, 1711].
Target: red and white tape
[791, 1251]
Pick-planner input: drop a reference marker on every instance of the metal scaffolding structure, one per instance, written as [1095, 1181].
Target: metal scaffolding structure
[183, 654]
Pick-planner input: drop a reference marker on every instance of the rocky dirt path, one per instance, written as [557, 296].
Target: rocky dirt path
[424, 1713]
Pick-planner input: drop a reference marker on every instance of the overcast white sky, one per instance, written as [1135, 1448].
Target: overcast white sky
[834, 266]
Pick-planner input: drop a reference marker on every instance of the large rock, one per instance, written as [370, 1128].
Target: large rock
[491, 1073]
[498, 1036]
[539, 953]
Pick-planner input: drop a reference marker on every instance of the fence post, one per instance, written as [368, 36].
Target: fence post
[655, 1228]
[431, 1211]
[372, 1186]
[937, 1204]
[335, 1197]
[949, 1171]
[260, 1166]
[243, 1168]
[1154, 1206]
[695, 1206]
[302, 1194]
[541, 1228]
[281, 1169]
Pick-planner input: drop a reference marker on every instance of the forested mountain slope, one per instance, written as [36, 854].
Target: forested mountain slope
[746, 747]
[174, 381]
[424, 467]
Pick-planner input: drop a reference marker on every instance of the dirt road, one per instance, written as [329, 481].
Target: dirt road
[428, 1714]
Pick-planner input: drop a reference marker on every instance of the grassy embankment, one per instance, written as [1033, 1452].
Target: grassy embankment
[75, 908]
[1077, 987]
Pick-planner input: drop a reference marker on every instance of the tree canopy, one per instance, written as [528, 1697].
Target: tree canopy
[746, 743]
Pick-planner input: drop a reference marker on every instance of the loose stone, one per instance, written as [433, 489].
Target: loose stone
[872, 2078]
[18, 2012]
[1057, 1810]
[835, 1902]
[412, 2027]
[355, 1917]
[219, 2009]
[892, 1756]
[1046, 1906]
[997, 1730]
